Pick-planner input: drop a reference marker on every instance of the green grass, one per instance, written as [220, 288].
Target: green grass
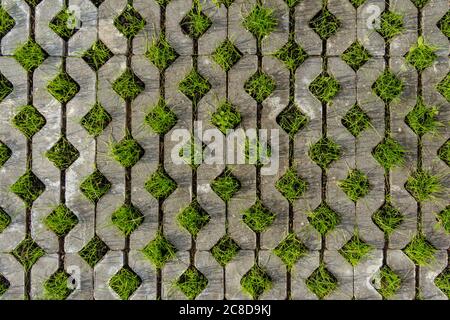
[29, 121]
[6, 87]
[356, 185]
[389, 153]
[160, 185]
[161, 119]
[192, 153]
[226, 3]
[391, 25]
[226, 185]
[159, 251]
[258, 217]
[292, 120]
[388, 87]
[125, 282]
[444, 87]
[355, 250]
[292, 55]
[96, 120]
[423, 185]
[55, 287]
[127, 219]
[6, 22]
[4, 285]
[356, 56]
[324, 219]
[387, 282]
[226, 55]
[256, 281]
[423, 119]
[5, 220]
[420, 251]
[357, 3]
[5, 153]
[93, 251]
[325, 87]
[28, 188]
[443, 219]
[129, 22]
[97, 55]
[291, 185]
[292, 3]
[61, 220]
[325, 24]
[356, 120]
[30, 55]
[444, 24]
[260, 86]
[95, 186]
[260, 21]
[161, 53]
[195, 23]
[442, 281]
[64, 24]
[444, 152]
[421, 55]
[226, 117]
[225, 250]
[290, 250]
[388, 218]
[62, 154]
[194, 86]
[257, 153]
[63, 88]
[28, 253]
[192, 282]
[127, 151]
[128, 86]
[420, 3]
[164, 3]
[33, 3]
[324, 152]
[193, 218]
[321, 282]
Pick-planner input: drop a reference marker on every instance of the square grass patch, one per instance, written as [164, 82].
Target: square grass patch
[325, 24]
[356, 120]
[196, 22]
[4, 285]
[125, 282]
[388, 218]
[159, 251]
[292, 120]
[423, 185]
[421, 55]
[128, 86]
[29, 121]
[225, 250]
[291, 185]
[226, 185]
[322, 282]
[444, 152]
[290, 250]
[28, 253]
[422, 119]
[391, 25]
[161, 53]
[161, 119]
[127, 219]
[442, 281]
[6, 22]
[420, 251]
[356, 56]
[256, 281]
[389, 153]
[129, 22]
[127, 151]
[63, 88]
[192, 282]
[95, 186]
[292, 55]
[388, 87]
[443, 219]
[96, 120]
[226, 117]
[260, 21]
[5, 220]
[355, 250]
[194, 86]
[64, 24]
[6, 87]
[94, 251]
[226, 55]
[260, 86]
[30, 55]
[62, 154]
[324, 152]
[387, 282]
[160, 185]
[97, 55]
[5, 153]
[325, 87]
[56, 288]
[324, 219]
[28, 188]
[61, 220]
[193, 218]
[258, 218]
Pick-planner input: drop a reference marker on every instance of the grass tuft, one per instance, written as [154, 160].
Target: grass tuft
[420, 251]
[128, 86]
[5, 153]
[256, 281]
[5, 220]
[4, 285]
[356, 120]
[56, 287]
[421, 56]
[226, 185]
[324, 152]
[357, 3]
[389, 153]
[324, 219]
[444, 87]
[292, 120]
[387, 282]
[30, 55]
[6, 22]
[260, 86]
[127, 151]
[95, 186]
[325, 24]
[96, 120]
[290, 250]
[193, 218]
[226, 3]
[194, 86]
[192, 282]
[444, 24]
[159, 251]
[422, 119]
[161, 53]
[444, 152]
[125, 282]
[28, 252]
[97, 55]
[62, 154]
[291, 185]
[129, 22]
[195, 23]
[29, 121]
[388, 87]
[442, 281]
[420, 3]
[93, 251]
[63, 88]
[354, 250]
[225, 250]
[6, 87]
[28, 188]
[387, 218]
[127, 219]
[356, 185]
[325, 87]
[160, 185]
[391, 25]
[356, 56]
[64, 24]
[423, 186]
[161, 118]
[443, 219]
[258, 217]
[226, 55]
[321, 282]
[260, 22]
[61, 220]
[226, 117]
[292, 55]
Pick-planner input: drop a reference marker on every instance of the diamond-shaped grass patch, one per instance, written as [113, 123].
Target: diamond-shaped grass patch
[96, 120]
[260, 22]
[125, 282]
[387, 282]
[28, 188]
[128, 86]
[324, 152]
[354, 250]
[443, 87]
[97, 55]
[321, 282]
[161, 53]
[29, 121]
[291, 185]
[325, 24]
[62, 154]
[444, 152]
[325, 87]
[5, 153]
[292, 120]
[226, 185]
[423, 185]
[290, 250]
[420, 251]
[28, 252]
[442, 281]
[63, 88]
[260, 86]
[5, 220]
[159, 251]
[93, 251]
[194, 86]
[56, 288]
[192, 153]
[127, 219]
[160, 185]
[129, 22]
[226, 55]
[256, 281]
[64, 24]
[356, 56]
[421, 55]
[391, 25]
[444, 24]
[389, 153]
[4, 285]
[420, 3]
[226, 117]
[292, 55]
[192, 282]
[387, 218]
[6, 22]
[423, 119]
[356, 120]
[324, 219]
[258, 217]
[95, 186]
[33, 3]
[196, 22]
[161, 118]
[127, 151]
[357, 3]
[30, 55]
[388, 87]
[6, 87]
[226, 3]
[443, 218]
[356, 185]
[61, 220]
[225, 250]
[193, 218]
